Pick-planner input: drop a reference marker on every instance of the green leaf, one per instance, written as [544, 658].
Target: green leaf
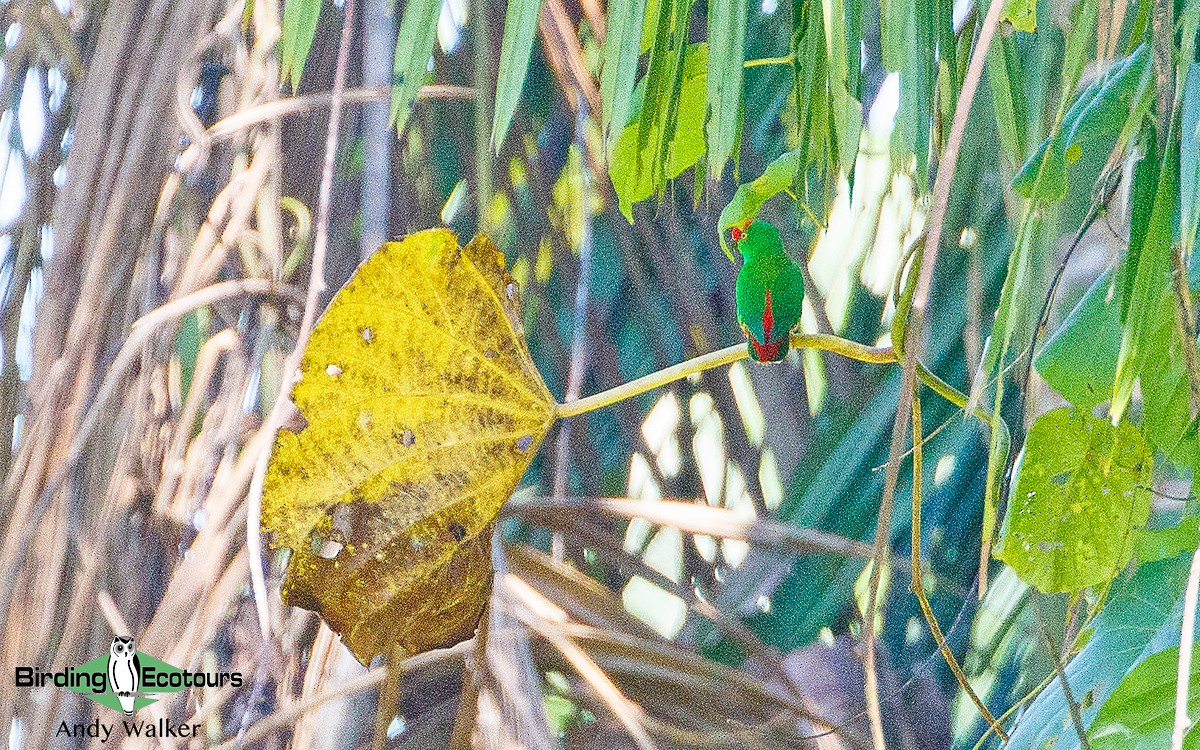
[1080, 500]
[1080, 359]
[1095, 121]
[751, 195]
[847, 110]
[1006, 82]
[1166, 398]
[1136, 614]
[916, 63]
[414, 45]
[894, 22]
[619, 72]
[1150, 281]
[1080, 362]
[298, 27]
[1022, 14]
[723, 102]
[649, 25]
[1140, 713]
[814, 135]
[520, 25]
[1141, 199]
[952, 62]
[632, 181]
[664, 76]
[1189, 162]
[1161, 544]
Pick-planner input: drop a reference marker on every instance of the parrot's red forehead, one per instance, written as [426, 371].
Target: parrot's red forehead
[739, 230]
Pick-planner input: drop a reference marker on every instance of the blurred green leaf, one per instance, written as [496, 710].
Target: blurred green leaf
[894, 33]
[1140, 713]
[619, 72]
[1150, 279]
[520, 25]
[1141, 199]
[634, 183]
[951, 65]
[723, 103]
[914, 57]
[1080, 359]
[1080, 499]
[751, 195]
[847, 110]
[1097, 117]
[1006, 82]
[1161, 544]
[1189, 162]
[649, 25]
[1129, 628]
[298, 27]
[1080, 34]
[414, 45]
[193, 331]
[814, 134]
[1022, 14]
[1166, 399]
[660, 105]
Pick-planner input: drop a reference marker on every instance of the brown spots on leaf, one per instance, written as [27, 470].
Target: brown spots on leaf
[457, 531]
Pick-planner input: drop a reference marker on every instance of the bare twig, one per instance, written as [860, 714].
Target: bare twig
[1072, 704]
[914, 346]
[697, 518]
[280, 108]
[918, 583]
[316, 285]
[579, 341]
[290, 713]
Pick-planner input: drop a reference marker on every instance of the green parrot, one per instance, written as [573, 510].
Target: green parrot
[770, 291]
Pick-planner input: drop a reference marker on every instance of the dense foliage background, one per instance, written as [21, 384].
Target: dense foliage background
[170, 191]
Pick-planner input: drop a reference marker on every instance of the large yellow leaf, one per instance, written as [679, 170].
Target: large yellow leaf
[423, 411]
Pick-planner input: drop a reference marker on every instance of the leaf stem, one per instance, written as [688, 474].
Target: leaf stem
[726, 356]
[918, 582]
[785, 60]
[876, 355]
[913, 346]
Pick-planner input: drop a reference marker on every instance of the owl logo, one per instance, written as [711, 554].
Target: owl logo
[124, 672]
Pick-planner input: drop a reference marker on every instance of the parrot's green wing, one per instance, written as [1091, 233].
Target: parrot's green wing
[770, 298]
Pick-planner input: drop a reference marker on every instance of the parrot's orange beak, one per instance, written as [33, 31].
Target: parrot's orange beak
[739, 230]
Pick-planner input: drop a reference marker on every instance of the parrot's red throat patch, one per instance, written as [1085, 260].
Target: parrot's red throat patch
[768, 350]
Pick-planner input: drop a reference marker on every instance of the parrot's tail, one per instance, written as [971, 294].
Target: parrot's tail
[774, 351]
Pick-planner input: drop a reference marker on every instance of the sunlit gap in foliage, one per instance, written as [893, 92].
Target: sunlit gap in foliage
[866, 235]
[451, 23]
[721, 480]
[22, 137]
